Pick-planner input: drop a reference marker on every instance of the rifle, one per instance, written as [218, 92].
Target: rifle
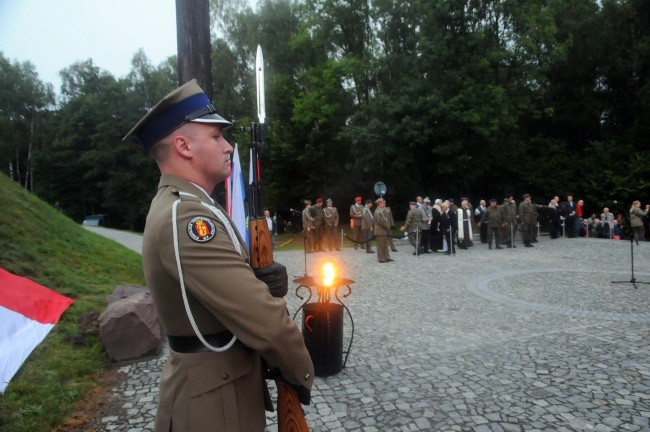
[291, 417]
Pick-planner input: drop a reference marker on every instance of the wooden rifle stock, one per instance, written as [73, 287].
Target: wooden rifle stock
[291, 417]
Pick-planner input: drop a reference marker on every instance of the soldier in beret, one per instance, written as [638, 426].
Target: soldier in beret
[356, 218]
[220, 318]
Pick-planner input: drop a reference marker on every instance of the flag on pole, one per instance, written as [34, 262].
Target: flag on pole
[28, 311]
[237, 194]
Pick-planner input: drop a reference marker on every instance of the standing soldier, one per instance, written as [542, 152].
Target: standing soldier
[319, 225]
[391, 243]
[381, 230]
[331, 215]
[494, 218]
[308, 227]
[356, 218]
[509, 209]
[367, 224]
[220, 319]
[425, 240]
[528, 217]
[413, 225]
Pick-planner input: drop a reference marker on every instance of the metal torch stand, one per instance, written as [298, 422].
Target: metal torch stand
[322, 324]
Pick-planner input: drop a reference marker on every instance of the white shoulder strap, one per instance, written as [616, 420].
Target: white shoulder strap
[181, 278]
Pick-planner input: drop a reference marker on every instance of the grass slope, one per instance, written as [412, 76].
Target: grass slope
[38, 242]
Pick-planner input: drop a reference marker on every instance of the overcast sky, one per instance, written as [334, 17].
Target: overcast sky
[53, 34]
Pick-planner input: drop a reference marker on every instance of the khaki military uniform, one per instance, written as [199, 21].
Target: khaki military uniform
[319, 227]
[356, 217]
[510, 216]
[192, 252]
[415, 221]
[367, 225]
[308, 229]
[493, 216]
[528, 217]
[381, 229]
[391, 221]
[331, 216]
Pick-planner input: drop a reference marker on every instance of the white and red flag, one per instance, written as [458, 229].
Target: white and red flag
[28, 311]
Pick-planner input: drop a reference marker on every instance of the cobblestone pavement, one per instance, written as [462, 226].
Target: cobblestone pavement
[526, 339]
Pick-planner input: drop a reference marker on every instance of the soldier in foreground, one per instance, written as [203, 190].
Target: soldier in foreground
[221, 320]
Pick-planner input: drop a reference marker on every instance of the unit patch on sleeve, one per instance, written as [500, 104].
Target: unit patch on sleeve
[201, 229]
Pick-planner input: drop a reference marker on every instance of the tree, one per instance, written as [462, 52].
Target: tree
[24, 105]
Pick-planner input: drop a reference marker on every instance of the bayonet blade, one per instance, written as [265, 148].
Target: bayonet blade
[259, 77]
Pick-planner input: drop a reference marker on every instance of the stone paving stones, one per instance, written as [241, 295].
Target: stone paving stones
[530, 339]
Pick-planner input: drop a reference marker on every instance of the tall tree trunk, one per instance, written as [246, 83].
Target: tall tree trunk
[193, 41]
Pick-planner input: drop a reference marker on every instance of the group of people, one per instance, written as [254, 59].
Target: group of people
[320, 226]
[444, 226]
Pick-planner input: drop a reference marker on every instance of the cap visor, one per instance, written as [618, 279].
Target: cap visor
[212, 118]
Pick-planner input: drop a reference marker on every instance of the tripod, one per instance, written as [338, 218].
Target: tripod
[632, 280]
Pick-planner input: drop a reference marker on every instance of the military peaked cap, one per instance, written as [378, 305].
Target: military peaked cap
[188, 103]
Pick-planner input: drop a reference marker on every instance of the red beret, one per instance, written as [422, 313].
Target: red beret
[319, 200]
[358, 199]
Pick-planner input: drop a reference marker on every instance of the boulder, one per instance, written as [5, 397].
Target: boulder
[130, 328]
[124, 291]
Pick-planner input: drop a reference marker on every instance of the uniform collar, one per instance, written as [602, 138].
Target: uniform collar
[184, 185]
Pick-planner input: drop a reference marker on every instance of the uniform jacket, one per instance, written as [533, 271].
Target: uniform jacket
[382, 222]
[527, 212]
[414, 220]
[331, 215]
[390, 216]
[319, 217]
[356, 212]
[214, 390]
[509, 212]
[368, 219]
[307, 220]
[493, 216]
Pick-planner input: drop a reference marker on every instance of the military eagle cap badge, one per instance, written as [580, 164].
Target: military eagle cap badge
[201, 229]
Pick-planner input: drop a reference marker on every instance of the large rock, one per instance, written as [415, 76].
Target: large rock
[124, 291]
[130, 328]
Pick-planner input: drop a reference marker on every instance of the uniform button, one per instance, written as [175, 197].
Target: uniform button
[225, 376]
[307, 376]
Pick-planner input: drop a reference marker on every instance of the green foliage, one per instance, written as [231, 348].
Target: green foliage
[38, 242]
[443, 98]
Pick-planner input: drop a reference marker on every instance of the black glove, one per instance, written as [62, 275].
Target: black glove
[303, 394]
[275, 277]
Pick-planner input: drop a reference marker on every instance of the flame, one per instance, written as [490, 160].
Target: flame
[328, 272]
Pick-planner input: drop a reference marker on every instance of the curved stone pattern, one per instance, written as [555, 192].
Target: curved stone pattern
[552, 290]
